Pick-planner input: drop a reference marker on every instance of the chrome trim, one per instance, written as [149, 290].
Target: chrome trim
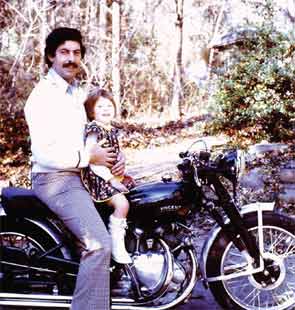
[175, 302]
[2, 211]
[248, 272]
[170, 263]
[260, 235]
[249, 208]
[252, 207]
[189, 288]
[25, 300]
[122, 300]
[50, 301]
[35, 296]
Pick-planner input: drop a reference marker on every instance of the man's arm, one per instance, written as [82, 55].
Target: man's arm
[101, 170]
[119, 168]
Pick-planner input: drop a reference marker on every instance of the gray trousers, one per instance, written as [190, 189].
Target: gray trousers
[66, 196]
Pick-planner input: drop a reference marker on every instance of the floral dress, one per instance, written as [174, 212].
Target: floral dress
[99, 189]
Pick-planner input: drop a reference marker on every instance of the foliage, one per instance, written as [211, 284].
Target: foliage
[255, 97]
[14, 143]
[146, 63]
[270, 165]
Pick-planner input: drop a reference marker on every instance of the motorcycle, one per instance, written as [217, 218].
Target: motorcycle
[247, 259]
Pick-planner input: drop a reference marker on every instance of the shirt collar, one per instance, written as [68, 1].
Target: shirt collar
[60, 82]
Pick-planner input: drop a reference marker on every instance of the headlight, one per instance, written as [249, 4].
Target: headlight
[232, 164]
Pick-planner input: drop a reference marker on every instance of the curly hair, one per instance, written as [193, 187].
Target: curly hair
[57, 37]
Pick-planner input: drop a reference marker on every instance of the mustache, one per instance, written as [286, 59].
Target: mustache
[70, 64]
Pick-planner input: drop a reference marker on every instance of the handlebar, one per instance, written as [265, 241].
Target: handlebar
[230, 164]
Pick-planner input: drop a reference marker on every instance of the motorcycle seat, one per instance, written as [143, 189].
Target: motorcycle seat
[23, 202]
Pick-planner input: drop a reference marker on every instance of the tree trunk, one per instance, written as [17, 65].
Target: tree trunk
[215, 33]
[42, 37]
[116, 53]
[102, 42]
[177, 96]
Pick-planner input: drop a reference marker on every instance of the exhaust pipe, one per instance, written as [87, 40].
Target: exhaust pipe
[51, 301]
[54, 302]
[25, 300]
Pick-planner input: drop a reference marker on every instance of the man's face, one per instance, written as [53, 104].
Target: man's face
[66, 61]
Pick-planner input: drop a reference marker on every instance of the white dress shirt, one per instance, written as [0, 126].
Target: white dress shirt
[56, 118]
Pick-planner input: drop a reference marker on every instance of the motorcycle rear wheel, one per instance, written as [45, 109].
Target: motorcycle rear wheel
[29, 241]
[271, 289]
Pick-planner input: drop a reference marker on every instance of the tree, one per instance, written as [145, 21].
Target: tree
[255, 97]
[102, 42]
[177, 93]
[116, 18]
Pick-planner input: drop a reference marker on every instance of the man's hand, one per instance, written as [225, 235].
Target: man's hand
[102, 156]
[119, 168]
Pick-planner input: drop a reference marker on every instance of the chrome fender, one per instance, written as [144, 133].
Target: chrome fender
[258, 207]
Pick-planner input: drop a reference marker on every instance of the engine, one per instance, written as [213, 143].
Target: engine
[153, 272]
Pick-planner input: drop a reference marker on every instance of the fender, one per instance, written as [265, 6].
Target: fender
[258, 207]
[52, 230]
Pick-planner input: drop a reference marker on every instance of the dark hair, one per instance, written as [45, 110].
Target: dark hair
[57, 37]
[92, 99]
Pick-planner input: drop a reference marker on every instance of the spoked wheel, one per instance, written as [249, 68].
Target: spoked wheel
[16, 273]
[271, 289]
[20, 244]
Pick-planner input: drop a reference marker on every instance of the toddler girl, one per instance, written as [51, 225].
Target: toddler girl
[99, 181]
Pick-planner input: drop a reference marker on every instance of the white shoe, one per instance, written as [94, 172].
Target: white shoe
[117, 228]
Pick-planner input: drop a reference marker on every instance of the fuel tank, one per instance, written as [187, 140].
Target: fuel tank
[154, 199]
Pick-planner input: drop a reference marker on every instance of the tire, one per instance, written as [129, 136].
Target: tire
[270, 290]
[32, 240]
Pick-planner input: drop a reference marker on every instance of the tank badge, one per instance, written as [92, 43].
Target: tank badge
[170, 208]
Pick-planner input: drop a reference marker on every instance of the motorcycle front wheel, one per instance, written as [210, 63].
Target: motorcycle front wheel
[271, 289]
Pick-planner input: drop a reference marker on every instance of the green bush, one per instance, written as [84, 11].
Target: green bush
[256, 95]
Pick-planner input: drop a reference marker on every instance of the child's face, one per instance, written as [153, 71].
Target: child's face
[104, 110]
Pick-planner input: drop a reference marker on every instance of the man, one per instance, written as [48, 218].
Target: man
[56, 118]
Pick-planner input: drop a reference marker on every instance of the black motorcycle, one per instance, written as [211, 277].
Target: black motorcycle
[247, 260]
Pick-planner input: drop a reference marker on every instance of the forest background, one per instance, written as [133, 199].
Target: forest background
[177, 68]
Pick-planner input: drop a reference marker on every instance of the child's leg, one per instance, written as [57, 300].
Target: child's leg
[121, 206]
[117, 228]
[118, 185]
